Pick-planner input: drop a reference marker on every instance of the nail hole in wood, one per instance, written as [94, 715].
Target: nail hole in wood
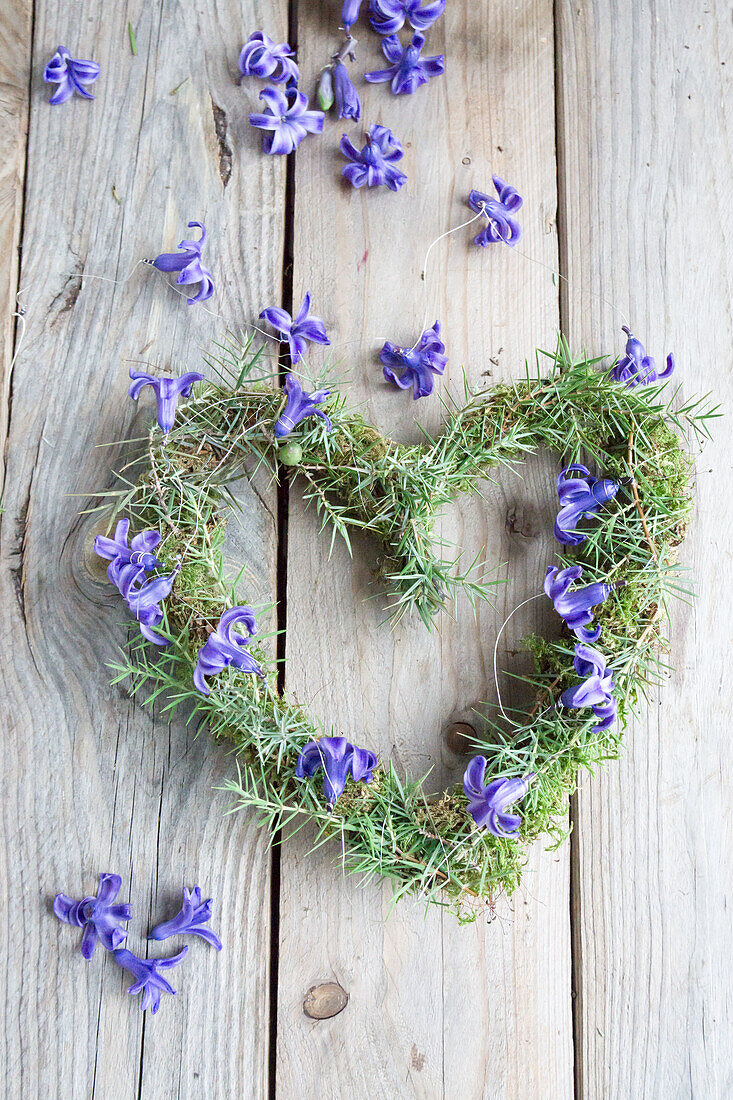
[460, 737]
[321, 1002]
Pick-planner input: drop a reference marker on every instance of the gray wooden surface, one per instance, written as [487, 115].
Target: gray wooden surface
[608, 975]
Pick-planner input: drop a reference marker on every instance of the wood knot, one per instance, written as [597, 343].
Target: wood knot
[321, 1002]
[460, 738]
[94, 567]
[522, 520]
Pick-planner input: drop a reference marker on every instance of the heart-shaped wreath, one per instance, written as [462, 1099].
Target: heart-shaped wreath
[620, 532]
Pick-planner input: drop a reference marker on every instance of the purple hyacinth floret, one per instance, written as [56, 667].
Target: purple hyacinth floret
[417, 366]
[118, 553]
[149, 980]
[346, 97]
[339, 759]
[597, 688]
[143, 598]
[167, 391]
[580, 498]
[389, 16]
[350, 13]
[226, 646]
[262, 57]
[71, 76]
[300, 405]
[501, 224]
[636, 368]
[299, 330]
[374, 163]
[575, 607]
[98, 916]
[188, 264]
[189, 921]
[407, 69]
[287, 118]
[488, 803]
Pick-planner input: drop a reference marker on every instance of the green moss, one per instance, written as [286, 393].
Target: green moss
[358, 479]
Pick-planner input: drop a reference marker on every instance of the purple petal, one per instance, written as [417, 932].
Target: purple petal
[305, 306]
[280, 143]
[669, 369]
[473, 777]
[64, 91]
[171, 261]
[109, 887]
[297, 347]
[504, 825]
[434, 66]
[392, 49]
[279, 318]
[89, 941]
[310, 759]
[363, 763]
[312, 121]
[264, 122]
[348, 148]
[424, 17]
[275, 100]
[379, 76]
[313, 329]
[404, 382]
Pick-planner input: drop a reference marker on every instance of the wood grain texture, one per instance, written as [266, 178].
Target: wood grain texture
[435, 1009]
[646, 169]
[90, 781]
[15, 64]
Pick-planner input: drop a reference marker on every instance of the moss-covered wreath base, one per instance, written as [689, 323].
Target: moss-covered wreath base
[396, 827]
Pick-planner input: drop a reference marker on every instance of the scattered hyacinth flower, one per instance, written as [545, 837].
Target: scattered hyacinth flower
[143, 598]
[350, 13]
[189, 921]
[501, 223]
[636, 368]
[580, 498]
[488, 803]
[597, 688]
[374, 163]
[418, 365]
[167, 391]
[407, 69]
[71, 76]
[575, 607]
[118, 553]
[98, 916]
[300, 405]
[389, 16]
[262, 57]
[297, 330]
[348, 104]
[226, 646]
[188, 263]
[287, 118]
[338, 758]
[149, 980]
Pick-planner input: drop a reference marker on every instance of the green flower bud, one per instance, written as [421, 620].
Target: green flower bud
[324, 94]
[291, 454]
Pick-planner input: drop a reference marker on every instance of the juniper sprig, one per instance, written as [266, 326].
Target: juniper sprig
[395, 828]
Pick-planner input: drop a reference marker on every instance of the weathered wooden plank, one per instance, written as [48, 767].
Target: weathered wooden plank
[435, 1009]
[645, 153]
[90, 781]
[15, 63]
